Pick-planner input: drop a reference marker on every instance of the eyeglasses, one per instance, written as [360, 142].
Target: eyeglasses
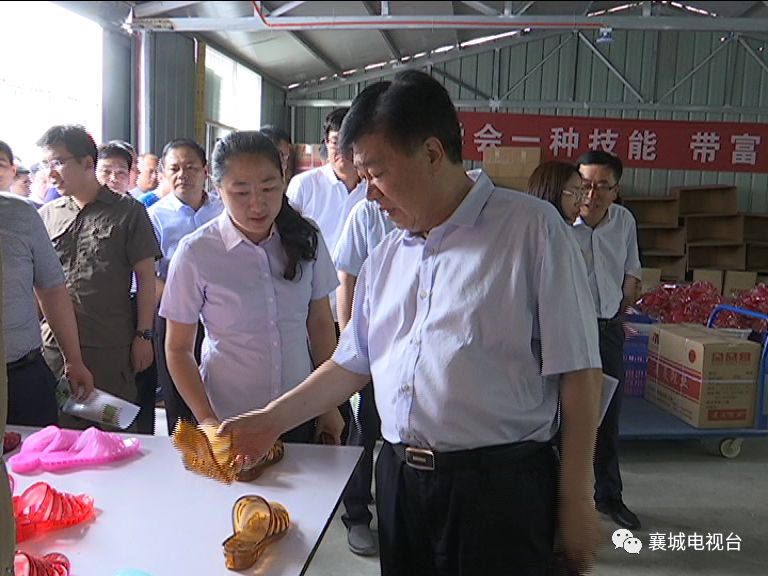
[597, 186]
[577, 195]
[57, 163]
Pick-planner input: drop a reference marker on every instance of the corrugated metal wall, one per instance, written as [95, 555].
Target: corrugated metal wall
[653, 63]
[118, 118]
[273, 108]
[171, 89]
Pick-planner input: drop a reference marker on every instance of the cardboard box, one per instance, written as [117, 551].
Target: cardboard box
[715, 199]
[704, 377]
[736, 281]
[714, 277]
[650, 278]
[672, 267]
[308, 156]
[511, 166]
[511, 182]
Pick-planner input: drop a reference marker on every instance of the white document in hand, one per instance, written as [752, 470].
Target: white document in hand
[607, 390]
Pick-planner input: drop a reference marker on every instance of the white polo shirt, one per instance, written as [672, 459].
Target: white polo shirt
[466, 331]
[610, 253]
[320, 196]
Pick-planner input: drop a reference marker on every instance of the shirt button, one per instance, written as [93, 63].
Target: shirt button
[405, 388]
[422, 294]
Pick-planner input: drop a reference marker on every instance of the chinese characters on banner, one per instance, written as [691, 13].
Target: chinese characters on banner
[664, 144]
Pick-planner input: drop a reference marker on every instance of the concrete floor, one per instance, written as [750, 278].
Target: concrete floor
[674, 486]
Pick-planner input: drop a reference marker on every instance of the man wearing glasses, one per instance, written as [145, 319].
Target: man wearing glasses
[607, 235]
[101, 238]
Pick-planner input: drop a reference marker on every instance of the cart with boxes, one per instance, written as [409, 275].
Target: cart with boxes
[690, 381]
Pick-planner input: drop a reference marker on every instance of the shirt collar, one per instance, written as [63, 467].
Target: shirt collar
[333, 180]
[105, 195]
[469, 210]
[177, 204]
[604, 222]
[231, 236]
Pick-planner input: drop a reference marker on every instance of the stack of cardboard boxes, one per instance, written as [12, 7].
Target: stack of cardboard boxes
[703, 376]
[510, 167]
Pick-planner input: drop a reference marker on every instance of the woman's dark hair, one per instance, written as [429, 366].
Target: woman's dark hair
[549, 180]
[298, 236]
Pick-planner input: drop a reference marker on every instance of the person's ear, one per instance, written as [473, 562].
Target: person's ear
[435, 152]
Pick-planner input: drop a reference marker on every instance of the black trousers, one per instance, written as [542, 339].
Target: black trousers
[488, 520]
[364, 430]
[175, 407]
[607, 475]
[32, 394]
[146, 390]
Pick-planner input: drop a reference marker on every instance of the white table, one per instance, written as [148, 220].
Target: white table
[156, 516]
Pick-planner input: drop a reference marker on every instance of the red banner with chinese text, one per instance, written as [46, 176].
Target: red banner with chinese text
[665, 144]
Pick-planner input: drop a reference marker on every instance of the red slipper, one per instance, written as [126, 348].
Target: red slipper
[42, 509]
[11, 441]
[49, 565]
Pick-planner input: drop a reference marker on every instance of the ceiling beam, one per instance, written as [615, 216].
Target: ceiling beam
[317, 53]
[442, 22]
[751, 51]
[565, 105]
[460, 82]
[482, 8]
[604, 59]
[386, 36]
[285, 8]
[420, 63]
[523, 9]
[147, 9]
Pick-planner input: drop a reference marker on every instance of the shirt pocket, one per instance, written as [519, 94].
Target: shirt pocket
[97, 243]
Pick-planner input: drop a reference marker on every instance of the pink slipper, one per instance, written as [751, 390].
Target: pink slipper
[92, 448]
[49, 439]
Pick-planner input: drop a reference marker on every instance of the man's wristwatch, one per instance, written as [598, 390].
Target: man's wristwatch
[145, 334]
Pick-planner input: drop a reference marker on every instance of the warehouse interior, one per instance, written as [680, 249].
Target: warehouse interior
[700, 63]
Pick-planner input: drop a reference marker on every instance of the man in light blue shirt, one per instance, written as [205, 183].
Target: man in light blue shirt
[179, 213]
[607, 234]
[474, 321]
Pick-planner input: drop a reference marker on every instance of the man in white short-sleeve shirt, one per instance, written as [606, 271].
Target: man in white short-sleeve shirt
[326, 195]
[474, 320]
[607, 234]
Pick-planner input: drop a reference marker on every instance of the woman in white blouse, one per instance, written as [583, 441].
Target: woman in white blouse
[258, 276]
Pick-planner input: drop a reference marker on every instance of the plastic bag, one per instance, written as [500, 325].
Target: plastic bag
[100, 407]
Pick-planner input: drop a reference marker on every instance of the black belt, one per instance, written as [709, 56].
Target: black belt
[25, 360]
[603, 323]
[479, 458]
